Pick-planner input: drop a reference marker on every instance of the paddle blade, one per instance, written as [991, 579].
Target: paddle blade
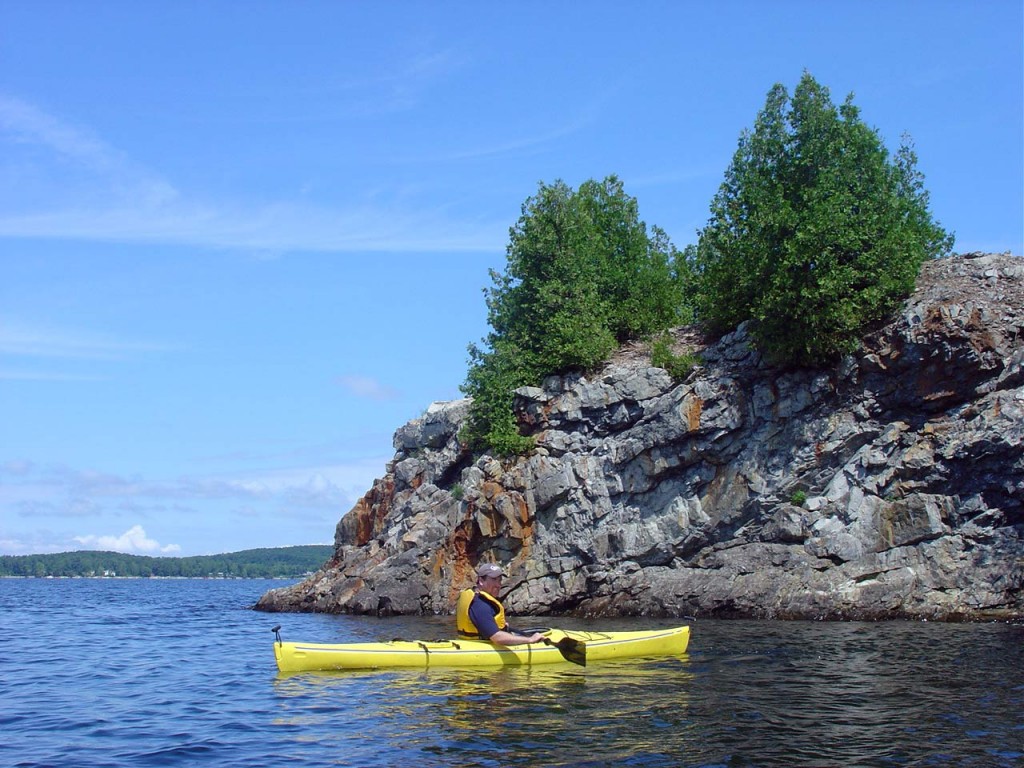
[571, 650]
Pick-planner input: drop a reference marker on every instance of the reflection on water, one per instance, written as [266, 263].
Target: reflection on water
[510, 716]
[748, 693]
[111, 673]
[864, 694]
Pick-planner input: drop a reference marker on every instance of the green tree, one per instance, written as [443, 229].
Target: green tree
[815, 234]
[583, 274]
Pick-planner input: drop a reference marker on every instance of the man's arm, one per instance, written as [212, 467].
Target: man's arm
[483, 619]
[501, 637]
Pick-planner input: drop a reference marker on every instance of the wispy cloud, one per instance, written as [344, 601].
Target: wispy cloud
[30, 353]
[26, 124]
[9, 374]
[34, 341]
[399, 88]
[61, 491]
[108, 198]
[22, 123]
[367, 387]
[55, 508]
[308, 489]
[273, 228]
[671, 177]
[533, 143]
[516, 147]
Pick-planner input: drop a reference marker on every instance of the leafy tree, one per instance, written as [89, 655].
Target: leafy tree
[583, 274]
[815, 234]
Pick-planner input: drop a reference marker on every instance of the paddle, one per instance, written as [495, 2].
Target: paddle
[571, 650]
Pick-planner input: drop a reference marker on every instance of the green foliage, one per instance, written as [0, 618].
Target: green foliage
[583, 274]
[252, 563]
[491, 380]
[814, 234]
[678, 366]
[798, 498]
[458, 491]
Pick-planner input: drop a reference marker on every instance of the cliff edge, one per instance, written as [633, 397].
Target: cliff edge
[888, 486]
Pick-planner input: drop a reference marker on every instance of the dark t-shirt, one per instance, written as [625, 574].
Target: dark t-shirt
[482, 614]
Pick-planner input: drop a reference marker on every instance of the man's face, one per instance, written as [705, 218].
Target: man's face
[491, 585]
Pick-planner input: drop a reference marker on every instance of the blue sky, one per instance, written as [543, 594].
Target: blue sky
[243, 242]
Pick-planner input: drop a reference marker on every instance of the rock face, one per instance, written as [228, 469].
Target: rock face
[891, 485]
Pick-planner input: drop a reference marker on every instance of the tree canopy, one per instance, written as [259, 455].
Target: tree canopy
[583, 274]
[815, 234]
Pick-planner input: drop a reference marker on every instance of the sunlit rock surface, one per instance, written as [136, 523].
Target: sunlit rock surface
[891, 485]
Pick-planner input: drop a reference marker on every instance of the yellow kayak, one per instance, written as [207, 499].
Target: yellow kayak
[578, 647]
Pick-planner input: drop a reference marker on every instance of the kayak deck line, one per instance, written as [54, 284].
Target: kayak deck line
[588, 638]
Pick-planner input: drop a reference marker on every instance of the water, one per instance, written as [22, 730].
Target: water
[169, 672]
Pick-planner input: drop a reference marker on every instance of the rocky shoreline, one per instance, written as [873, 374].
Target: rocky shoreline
[888, 486]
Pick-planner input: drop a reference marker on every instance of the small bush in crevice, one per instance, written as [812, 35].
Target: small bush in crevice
[678, 366]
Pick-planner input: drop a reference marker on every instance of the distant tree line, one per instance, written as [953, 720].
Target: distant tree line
[281, 562]
[816, 234]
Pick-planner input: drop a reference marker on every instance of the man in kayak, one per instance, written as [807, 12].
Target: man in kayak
[479, 613]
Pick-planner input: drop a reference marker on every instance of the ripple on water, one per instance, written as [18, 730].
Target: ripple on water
[137, 672]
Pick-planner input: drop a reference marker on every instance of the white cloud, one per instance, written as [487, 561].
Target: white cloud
[311, 498]
[367, 387]
[133, 541]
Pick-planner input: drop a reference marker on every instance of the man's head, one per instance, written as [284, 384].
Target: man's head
[488, 578]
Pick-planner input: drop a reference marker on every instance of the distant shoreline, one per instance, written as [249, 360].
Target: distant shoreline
[280, 563]
[162, 578]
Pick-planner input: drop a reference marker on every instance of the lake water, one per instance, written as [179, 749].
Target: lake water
[167, 672]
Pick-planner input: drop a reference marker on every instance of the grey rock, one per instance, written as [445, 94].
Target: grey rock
[647, 496]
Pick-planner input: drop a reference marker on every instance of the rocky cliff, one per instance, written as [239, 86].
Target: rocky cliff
[891, 485]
